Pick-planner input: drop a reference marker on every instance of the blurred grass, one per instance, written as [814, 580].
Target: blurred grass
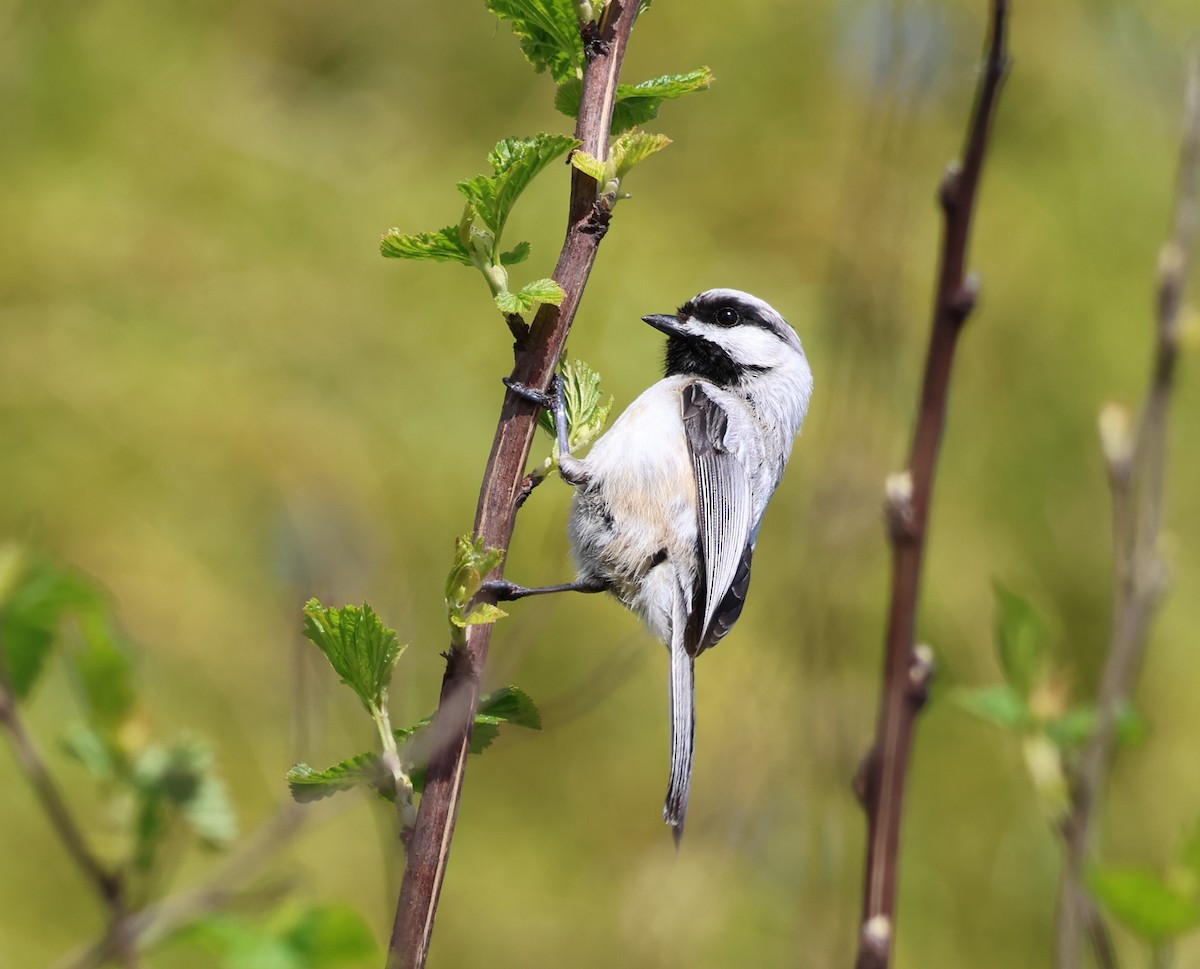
[219, 400]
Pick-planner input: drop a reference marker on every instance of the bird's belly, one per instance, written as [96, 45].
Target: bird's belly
[634, 525]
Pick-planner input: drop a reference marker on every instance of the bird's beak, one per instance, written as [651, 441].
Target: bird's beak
[668, 324]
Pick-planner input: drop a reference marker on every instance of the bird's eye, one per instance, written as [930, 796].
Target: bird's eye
[727, 316]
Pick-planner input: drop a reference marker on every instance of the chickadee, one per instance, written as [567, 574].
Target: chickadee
[669, 501]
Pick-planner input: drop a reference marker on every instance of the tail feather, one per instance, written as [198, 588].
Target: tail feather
[683, 738]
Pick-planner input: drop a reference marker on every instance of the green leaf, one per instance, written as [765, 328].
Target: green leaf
[445, 245]
[39, 596]
[210, 812]
[87, 746]
[104, 673]
[360, 648]
[549, 34]
[586, 408]
[239, 944]
[328, 936]
[481, 614]
[634, 147]
[1144, 903]
[183, 776]
[516, 162]
[1074, 728]
[518, 253]
[590, 165]
[1020, 640]
[636, 103]
[472, 561]
[508, 705]
[999, 705]
[539, 291]
[362, 770]
[511, 704]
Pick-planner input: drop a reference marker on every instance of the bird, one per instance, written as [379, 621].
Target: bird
[669, 500]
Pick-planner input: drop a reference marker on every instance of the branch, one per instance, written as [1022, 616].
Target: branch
[908, 668]
[1137, 470]
[107, 884]
[536, 357]
[139, 931]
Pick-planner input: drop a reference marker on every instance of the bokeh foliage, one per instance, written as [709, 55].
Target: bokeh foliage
[220, 400]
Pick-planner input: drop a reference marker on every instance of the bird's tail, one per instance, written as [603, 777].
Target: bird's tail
[683, 738]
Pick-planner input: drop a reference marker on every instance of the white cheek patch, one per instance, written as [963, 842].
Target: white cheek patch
[749, 345]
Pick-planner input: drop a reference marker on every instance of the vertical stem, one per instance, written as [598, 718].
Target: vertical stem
[908, 668]
[500, 494]
[1136, 476]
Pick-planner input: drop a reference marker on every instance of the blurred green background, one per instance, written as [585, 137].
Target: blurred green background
[218, 400]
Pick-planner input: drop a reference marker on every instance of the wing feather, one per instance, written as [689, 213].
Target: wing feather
[725, 508]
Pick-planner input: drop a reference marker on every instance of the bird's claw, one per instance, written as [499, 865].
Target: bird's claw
[546, 399]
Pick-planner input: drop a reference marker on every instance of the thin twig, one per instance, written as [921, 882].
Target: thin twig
[907, 667]
[1137, 471]
[140, 930]
[107, 883]
[499, 495]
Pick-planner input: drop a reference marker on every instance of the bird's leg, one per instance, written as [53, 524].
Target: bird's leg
[506, 591]
[570, 467]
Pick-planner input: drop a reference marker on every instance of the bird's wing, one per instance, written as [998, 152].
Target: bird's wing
[725, 510]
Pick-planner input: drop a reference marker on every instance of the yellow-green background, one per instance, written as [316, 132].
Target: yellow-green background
[218, 399]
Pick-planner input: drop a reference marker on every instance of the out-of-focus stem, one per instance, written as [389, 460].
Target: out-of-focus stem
[1137, 474]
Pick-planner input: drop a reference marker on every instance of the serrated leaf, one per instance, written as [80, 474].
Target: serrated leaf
[586, 408]
[328, 936]
[362, 770]
[39, 596]
[548, 31]
[359, 647]
[523, 301]
[1020, 640]
[482, 614]
[999, 705]
[516, 162]
[472, 561]
[634, 147]
[511, 704]
[590, 165]
[1144, 903]
[518, 253]
[636, 103]
[444, 245]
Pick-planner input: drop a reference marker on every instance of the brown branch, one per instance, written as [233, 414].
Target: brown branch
[1137, 470]
[429, 847]
[907, 667]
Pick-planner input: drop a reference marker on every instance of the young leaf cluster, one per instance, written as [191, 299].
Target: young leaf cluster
[158, 789]
[363, 652]
[1033, 703]
[476, 240]
[551, 33]
[505, 706]
[628, 149]
[472, 561]
[587, 410]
